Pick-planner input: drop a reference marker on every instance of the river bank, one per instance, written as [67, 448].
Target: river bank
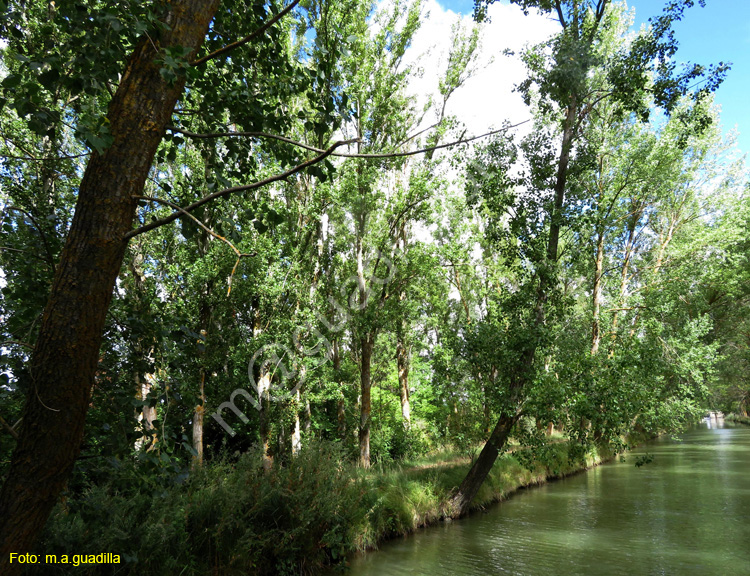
[234, 517]
[406, 498]
[681, 511]
[737, 419]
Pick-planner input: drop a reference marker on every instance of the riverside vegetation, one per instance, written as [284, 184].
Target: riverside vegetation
[259, 221]
[237, 517]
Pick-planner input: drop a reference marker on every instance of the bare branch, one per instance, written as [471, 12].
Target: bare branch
[346, 154]
[210, 135]
[8, 428]
[47, 249]
[322, 154]
[206, 228]
[560, 15]
[17, 343]
[246, 39]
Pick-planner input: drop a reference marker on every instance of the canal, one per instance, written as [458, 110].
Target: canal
[686, 512]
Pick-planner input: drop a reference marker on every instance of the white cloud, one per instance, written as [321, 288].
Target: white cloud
[487, 99]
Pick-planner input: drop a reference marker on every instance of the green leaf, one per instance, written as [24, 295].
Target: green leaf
[12, 81]
[49, 78]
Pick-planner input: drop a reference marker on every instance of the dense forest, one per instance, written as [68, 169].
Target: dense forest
[252, 284]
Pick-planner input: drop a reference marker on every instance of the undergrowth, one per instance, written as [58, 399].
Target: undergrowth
[235, 518]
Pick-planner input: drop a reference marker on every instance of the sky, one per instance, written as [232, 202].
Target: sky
[720, 32]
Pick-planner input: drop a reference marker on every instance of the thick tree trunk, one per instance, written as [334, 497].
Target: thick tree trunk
[366, 345]
[64, 361]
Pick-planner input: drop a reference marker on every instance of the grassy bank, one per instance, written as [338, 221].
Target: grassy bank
[737, 419]
[235, 518]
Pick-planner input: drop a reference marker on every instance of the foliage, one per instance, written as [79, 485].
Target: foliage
[589, 278]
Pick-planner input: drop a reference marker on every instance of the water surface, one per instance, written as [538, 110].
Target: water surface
[687, 512]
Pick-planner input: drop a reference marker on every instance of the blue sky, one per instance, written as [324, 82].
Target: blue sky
[718, 32]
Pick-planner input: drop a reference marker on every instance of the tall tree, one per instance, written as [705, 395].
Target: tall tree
[565, 82]
[163, 42]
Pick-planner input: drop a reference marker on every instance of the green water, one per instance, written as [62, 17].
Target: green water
[687, 512]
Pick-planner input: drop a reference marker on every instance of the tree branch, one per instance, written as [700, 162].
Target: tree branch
[210, 135]
[47, 249]
[206, 228]
[246, 39]
[8, 428]
[232, 190]
[17, 343]
[345, 154]
[560, 14]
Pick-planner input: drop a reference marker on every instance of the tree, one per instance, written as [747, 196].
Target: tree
[565, 83]
[164, 44]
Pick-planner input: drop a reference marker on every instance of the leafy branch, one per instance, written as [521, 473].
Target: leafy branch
[249, 38]
[239, 254]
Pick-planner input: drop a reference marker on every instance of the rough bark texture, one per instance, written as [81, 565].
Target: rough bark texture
[64, 361]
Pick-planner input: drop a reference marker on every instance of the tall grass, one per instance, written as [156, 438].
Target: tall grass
[235, 518]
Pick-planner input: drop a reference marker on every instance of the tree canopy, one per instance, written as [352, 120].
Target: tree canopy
[227, 235]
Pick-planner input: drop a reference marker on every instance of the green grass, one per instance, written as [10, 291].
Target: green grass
[237, 518]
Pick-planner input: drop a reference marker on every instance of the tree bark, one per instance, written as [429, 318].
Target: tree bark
[473, 481]
[366, 346]
[402, 362]
[297, 432]
[64, 361]
[198, 422]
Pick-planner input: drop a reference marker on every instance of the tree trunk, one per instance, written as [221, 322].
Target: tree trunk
[147, 415]
[64, 361]
[473, 481]
[629, 246]
[341, 403]
[264, 390]
[297, 432]
[402, 362]
[366, 345]
[597, 295]
[198, 423]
